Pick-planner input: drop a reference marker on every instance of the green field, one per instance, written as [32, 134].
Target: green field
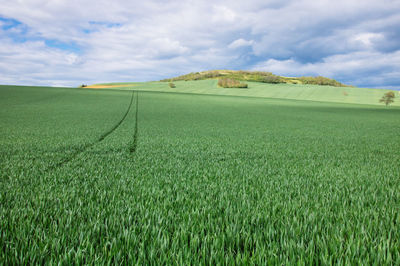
[113, 176]
[352, 95]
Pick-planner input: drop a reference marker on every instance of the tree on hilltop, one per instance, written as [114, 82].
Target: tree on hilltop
[387, 98]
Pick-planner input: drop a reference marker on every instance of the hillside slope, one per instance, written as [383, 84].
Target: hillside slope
[266, 90]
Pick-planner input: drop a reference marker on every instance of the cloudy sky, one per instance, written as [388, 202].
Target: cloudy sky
[70, 42]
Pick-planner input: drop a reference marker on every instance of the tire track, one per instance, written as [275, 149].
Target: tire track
[89, 145]
[120, 122]
[133, 147]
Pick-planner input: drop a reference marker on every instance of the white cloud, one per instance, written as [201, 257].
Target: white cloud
[223, 14]
[367, 39]
[240, 43]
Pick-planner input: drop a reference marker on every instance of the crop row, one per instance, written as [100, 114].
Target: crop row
[215, 180]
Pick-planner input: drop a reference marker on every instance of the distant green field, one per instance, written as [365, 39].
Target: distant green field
[282, 91]
[119, 177]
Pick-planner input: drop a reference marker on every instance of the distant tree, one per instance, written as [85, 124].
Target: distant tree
[83, 85]
[171, 85]
[387, 98]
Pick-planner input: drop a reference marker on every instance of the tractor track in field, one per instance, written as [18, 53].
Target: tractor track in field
[120, 122]
[100, 139]
[133, 146]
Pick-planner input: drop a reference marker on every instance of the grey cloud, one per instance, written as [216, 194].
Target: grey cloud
[365, 69]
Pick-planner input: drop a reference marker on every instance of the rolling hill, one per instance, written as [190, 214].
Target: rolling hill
[288, 88]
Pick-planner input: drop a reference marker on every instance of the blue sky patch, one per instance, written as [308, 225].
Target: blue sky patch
[19, 32]
[95, 26]
[105, 24]
[9, 23]
[71, 47]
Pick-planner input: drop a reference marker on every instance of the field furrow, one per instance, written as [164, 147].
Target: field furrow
[135, 132]
[86, 146]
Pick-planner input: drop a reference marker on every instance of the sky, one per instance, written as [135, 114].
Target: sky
[74, 42]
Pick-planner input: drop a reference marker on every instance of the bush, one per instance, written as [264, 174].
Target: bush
[172, 85]
[231, 83]
[270, 79]
[320, 81]
[211, 74]
[259, 76]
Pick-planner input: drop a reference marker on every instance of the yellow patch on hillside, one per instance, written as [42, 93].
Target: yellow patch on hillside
[108, 86]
